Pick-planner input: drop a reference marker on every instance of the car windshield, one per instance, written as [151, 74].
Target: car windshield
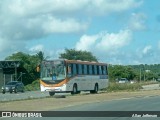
[52, 70]
[11, 83]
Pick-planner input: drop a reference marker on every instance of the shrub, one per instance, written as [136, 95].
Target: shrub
[35, 85]
[123, 87]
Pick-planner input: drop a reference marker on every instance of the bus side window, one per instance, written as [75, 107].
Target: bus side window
[82, 69]
[85, 69]
[74, 69]
[104, 70]
[95, 69]
[70, 70]
[79, 69]
[100, 70]
[90, 69]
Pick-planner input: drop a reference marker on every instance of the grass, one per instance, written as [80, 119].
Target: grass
[123, 87]
[113, 86]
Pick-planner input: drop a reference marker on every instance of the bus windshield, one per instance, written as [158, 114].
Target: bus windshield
[52, 70]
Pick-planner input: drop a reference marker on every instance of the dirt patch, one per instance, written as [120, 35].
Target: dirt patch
[55, 103]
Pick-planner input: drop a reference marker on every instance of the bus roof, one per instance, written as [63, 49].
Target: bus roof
[78, 61]
[85, 62]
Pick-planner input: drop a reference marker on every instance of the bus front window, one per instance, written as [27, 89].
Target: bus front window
[52, 71]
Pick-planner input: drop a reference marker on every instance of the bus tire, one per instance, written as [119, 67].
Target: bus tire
[95, 89]
[3, 92]
[74, 91]
[51, 93]
[78, 92]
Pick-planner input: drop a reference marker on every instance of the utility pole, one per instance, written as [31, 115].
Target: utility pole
[15, 72]
[140, 75]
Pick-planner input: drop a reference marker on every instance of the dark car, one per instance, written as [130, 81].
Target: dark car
[13, 86]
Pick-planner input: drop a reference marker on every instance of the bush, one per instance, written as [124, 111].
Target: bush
[123, 87]
[35, 85]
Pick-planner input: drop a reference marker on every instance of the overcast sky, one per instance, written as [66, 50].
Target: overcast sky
[116, 31]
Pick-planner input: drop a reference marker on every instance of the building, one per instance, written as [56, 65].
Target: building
[8, 71]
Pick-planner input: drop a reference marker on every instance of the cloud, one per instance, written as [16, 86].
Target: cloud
[106, 46]
[147, 49]
[87, 42]
[147, 55]
[34, 7]
[25, 20]
[104, 41]
[8, 47]
[137, 21]
[114, 41]
[37, 48]
[108, 6]
[32, 19]
[53, 25]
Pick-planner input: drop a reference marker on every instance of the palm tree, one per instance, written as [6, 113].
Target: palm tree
[40, 55]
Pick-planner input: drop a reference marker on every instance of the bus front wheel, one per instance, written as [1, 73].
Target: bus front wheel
[51, 93]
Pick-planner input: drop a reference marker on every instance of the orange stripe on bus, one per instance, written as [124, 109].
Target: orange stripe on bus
[44, 84]
[54, 85]
[61, 83]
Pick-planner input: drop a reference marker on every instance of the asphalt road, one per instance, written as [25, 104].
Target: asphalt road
[26, 95]
[20, 96]
[130, 104]
[31, 95]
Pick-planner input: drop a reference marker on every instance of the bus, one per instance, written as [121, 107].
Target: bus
[74, 76]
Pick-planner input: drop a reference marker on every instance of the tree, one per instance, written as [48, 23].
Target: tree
[120, 71]
[41, 56]
[28, 66]
[73, 54]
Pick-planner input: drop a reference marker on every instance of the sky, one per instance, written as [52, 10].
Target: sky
[125, 32]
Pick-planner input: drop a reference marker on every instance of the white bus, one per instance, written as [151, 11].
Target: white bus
[73, 76]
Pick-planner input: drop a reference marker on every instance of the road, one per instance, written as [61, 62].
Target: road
[20, 96]
[26, 95]
[151, 87]
[123, 104]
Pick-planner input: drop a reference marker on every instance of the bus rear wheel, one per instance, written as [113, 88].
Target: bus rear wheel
[51, 93]
[95, 89]
[74, 91]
